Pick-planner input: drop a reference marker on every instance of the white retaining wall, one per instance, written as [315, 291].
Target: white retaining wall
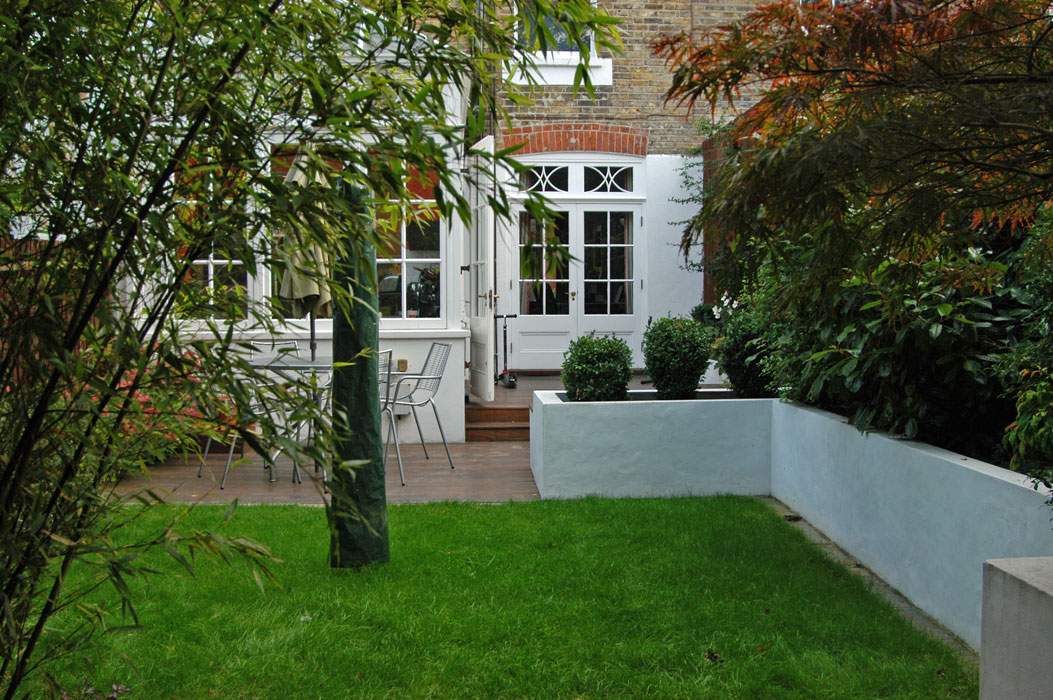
[606, 448]
[922, 518]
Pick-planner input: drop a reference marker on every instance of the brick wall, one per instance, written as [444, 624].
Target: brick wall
[575, 136]
[635, 103]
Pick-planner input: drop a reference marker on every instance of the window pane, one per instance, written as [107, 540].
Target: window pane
[595, 298]
[621, 263]
[595, 228]
[545, 178]
[621, 227]
[231, 290]
[423, 291]
[390, 230]
[422, 239]
[389, 290]
[560, 232]
[608, 179]
[557, 40]
[621, 297]
[531, 301]
[544, 298]
[556, 269]
[529, 229]
[194, 296]
[530, 262]
[556, 302]
[596, 263]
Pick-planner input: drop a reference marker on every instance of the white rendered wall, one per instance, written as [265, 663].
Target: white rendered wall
[922, 518]
[1017, 620]
[649, 448]
[670, 288]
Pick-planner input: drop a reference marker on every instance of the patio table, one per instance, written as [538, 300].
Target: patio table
[286, 365]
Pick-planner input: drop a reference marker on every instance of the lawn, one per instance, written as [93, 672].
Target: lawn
[676, 598]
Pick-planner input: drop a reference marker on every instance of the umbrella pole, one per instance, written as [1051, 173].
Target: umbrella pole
[314, 345]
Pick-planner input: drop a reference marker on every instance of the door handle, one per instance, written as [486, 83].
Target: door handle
[573, 295]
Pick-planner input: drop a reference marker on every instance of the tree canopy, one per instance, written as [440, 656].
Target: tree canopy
[143, 151]
[874, 127]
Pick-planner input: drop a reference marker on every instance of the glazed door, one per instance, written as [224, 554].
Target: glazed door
[481, 274]
[596, 289]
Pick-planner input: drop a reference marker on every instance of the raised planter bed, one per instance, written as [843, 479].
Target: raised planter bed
[922, 518]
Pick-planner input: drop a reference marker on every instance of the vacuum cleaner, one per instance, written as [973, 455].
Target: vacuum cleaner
[507, 379]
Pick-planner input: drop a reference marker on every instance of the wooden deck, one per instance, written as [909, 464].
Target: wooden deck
[488, 472]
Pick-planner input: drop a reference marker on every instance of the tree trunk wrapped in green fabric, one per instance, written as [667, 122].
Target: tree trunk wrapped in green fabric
[358, 511]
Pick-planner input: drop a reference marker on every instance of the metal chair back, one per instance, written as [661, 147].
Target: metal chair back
[274, 347]
[384, 377]
[434, 366]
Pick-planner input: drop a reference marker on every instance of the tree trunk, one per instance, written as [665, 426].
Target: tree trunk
[359, 519]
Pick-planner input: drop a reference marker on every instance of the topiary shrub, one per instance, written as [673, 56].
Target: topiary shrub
[597, 369]
[676, 354]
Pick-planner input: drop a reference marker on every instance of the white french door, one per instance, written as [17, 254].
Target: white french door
[596, 290]
[480, 274]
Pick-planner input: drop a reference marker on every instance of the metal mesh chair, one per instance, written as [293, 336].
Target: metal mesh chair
[276, 347]
[415, 390]
[387, 405]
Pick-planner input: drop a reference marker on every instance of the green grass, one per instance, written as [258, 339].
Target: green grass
[683, 598]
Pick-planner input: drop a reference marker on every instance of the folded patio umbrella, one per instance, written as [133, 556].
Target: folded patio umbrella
[305, 282]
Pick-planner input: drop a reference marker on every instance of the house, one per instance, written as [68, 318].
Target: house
[611, 167]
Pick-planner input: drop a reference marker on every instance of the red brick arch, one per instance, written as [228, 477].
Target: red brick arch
[577, 136]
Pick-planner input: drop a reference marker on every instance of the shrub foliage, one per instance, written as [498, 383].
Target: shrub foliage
[676, 355]
[597, 369]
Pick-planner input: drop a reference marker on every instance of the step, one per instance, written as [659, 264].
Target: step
[477, 413]
[497, 432]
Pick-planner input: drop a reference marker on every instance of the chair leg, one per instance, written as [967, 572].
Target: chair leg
[413, 409]
[230, 458]
[393, 432]
[204, 456]
[441, 433]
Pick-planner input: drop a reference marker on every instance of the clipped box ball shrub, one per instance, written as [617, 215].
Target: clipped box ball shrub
[597, 369]
[676, 354]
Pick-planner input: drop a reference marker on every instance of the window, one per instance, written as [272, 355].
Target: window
[544, 276]
[216, 286]
[545, 178]
[216, 283]
[558, 63]
[608, 262]
[409, 270]
[556, 38]
[608, 179]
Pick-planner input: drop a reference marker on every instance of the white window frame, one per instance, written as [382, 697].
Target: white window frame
[557, 68]
[404, 321]
[261, 286]
[576, 195]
